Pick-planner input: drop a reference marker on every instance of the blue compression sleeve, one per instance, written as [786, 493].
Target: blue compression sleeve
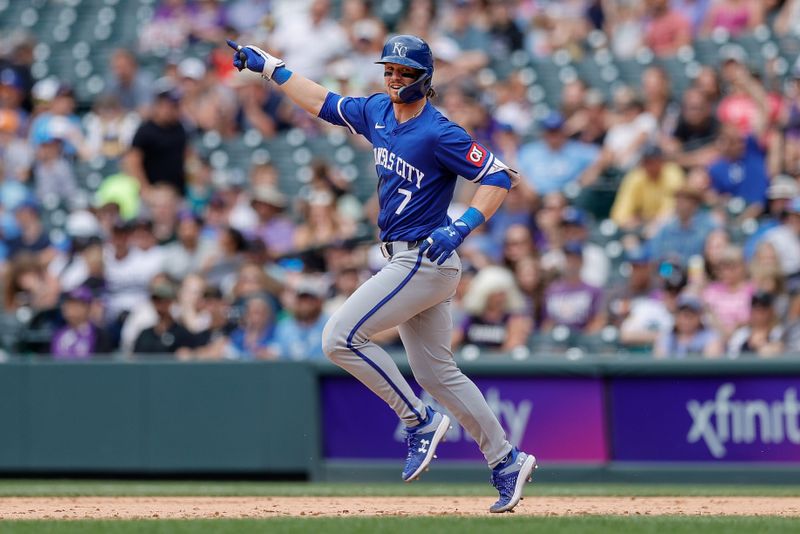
[281, 75]
[498, 179]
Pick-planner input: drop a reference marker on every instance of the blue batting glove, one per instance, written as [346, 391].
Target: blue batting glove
[247, 57]
[443, 242]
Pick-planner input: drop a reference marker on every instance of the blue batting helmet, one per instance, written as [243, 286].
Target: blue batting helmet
[412, 52]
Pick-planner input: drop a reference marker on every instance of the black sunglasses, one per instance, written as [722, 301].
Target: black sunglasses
[409, 75]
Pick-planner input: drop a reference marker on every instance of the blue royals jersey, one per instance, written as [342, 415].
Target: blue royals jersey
[418, 161]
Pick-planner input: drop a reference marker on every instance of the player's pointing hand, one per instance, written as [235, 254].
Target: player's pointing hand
[253, 58]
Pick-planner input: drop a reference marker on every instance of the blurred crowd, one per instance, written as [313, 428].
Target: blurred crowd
[650, 220]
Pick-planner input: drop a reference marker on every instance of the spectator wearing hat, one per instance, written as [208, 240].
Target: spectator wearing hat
[689, 337]
[212, 342]
[299, 335]
[60, 121]
[255, 335]
[684, 234]
[167, 336]
[495, 312]
[127, 270]
[79, 338]
[639, 283]
[646, 308]
[785, 238]
[570, 301]
[555, 161]
[728, 299]
[275, 229]
[763, 335]
[573, 229]
[32, 238]
[646, 196]
[159, 146]
[780, 193]
[13, 116]
[53, 174]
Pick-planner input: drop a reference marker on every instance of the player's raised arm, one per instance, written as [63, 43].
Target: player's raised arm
[306, 93]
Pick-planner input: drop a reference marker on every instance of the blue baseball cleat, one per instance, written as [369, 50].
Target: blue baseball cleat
[422, 441]
[509, 477]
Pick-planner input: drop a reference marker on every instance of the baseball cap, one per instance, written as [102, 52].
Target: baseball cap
[163, 290]
[573, 216]
[192, 68]
[690, 302]
[309, 287]
[80, 293]
[762, 298]
[212, 292]
[673, 276]
[11, 78]
[638, 256]
[783, 187]
[574, 248]
[552, 121]
[269, 195]
[652, 150]
[29, 203]
[732, 52]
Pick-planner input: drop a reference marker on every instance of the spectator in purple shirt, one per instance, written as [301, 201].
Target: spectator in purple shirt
[79, 338]
[570, 301]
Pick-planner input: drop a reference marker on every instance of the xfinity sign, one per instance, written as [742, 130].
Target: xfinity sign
[723, 420]
[706, 419]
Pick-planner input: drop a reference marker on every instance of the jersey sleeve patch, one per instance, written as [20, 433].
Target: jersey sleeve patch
[477, 155]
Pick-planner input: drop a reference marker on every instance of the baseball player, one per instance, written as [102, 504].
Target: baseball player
[419, 155]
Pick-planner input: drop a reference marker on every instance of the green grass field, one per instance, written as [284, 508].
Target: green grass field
[460, 525]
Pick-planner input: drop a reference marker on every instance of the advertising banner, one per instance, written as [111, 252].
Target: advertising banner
[557, 419]
[730, 419]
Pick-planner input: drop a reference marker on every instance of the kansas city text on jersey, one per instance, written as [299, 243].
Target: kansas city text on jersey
[393, 162]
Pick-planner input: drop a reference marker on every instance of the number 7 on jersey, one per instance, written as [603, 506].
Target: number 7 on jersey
[407, 194]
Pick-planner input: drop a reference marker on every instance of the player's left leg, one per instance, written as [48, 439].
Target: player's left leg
[426, 338]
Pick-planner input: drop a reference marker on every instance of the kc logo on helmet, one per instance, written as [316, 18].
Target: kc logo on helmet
[476, 155]
[400, 49]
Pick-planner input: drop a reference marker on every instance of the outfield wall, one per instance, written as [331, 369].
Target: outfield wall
[590, 419]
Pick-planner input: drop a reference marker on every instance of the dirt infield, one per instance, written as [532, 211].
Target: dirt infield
[264, 507]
